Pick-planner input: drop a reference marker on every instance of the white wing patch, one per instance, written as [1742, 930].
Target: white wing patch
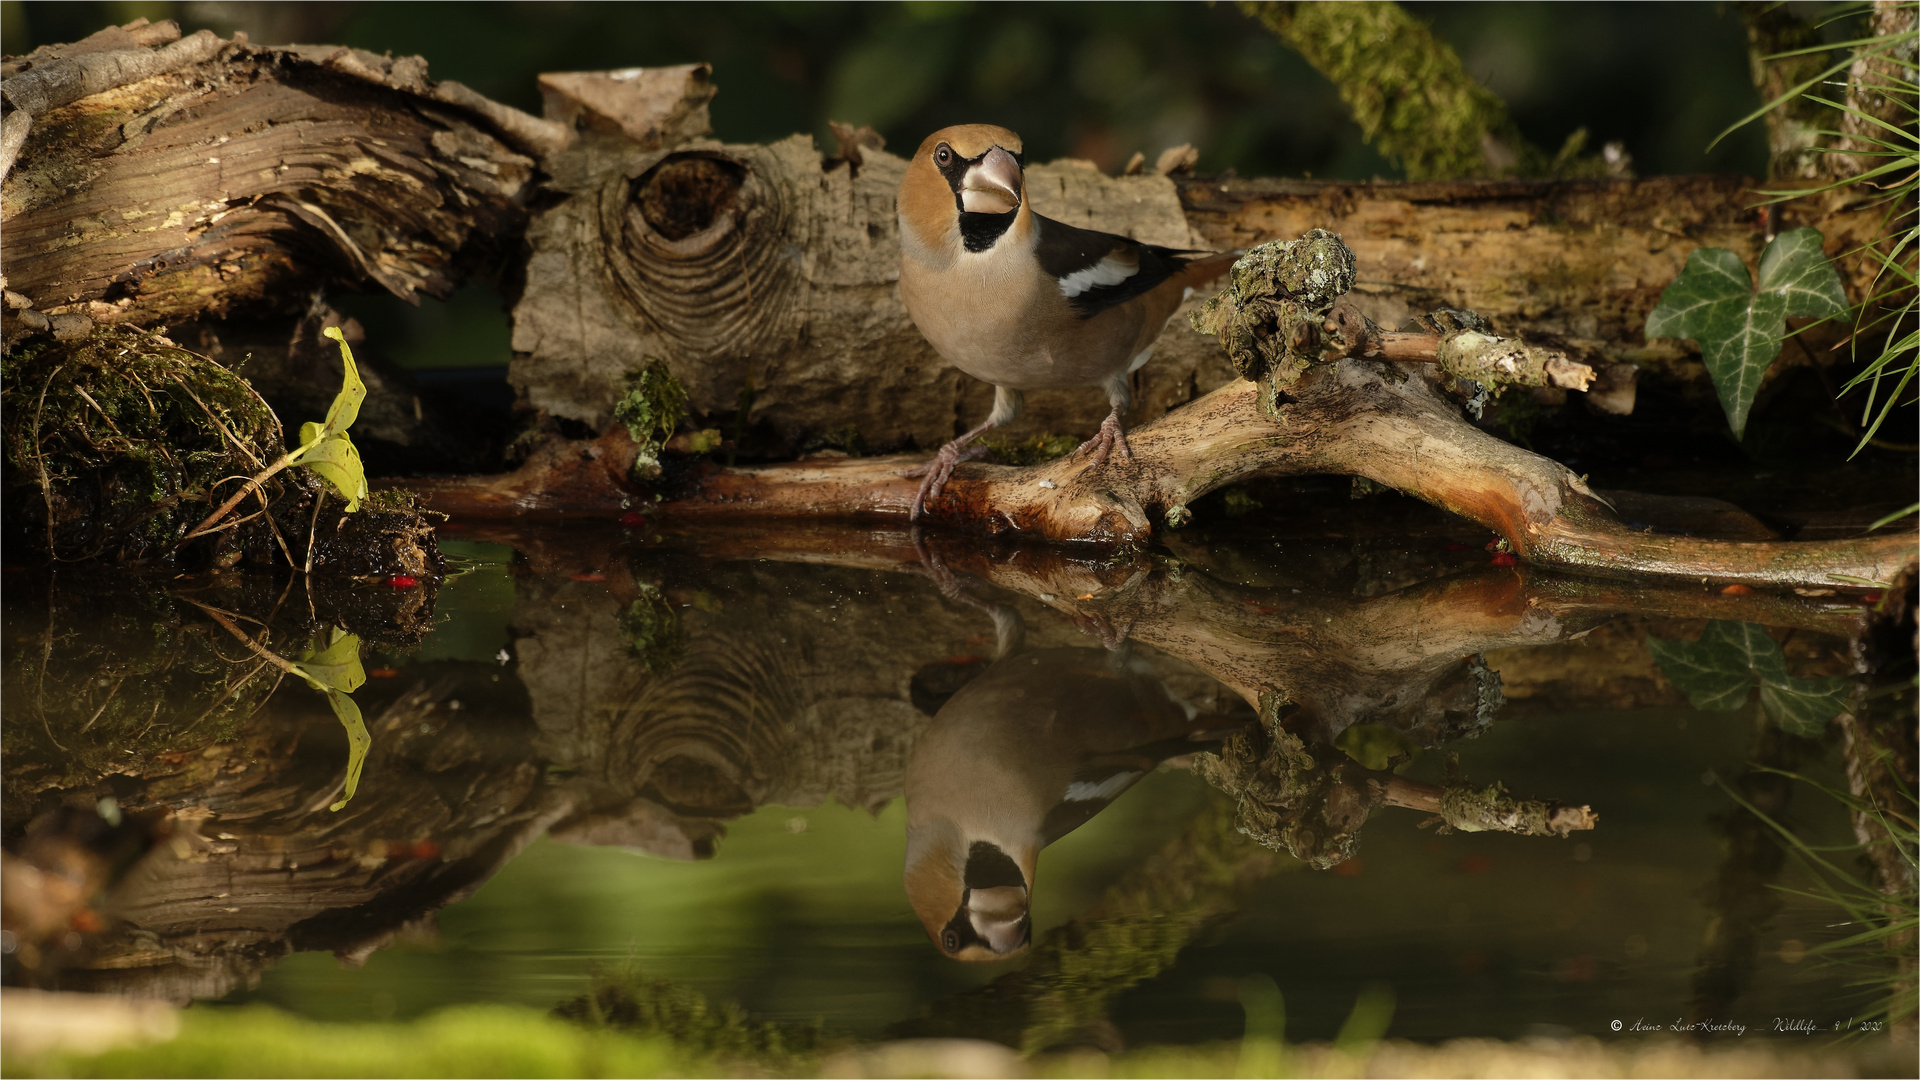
[1111, 270]
[1082, 791]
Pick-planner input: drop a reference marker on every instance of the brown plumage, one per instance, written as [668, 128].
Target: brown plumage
[1031, 749]
[1020, 300]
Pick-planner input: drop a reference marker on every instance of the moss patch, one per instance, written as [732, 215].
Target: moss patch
[113, 445]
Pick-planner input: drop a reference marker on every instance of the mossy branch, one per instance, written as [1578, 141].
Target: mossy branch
[1409, 92]
[1283, 313]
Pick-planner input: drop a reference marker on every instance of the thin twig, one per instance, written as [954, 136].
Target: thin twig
[225, 432]
[255, 481]
[230, 691]
[103, 705]
[111, 426]
[222, 617]
[40, 456]
[318, 501]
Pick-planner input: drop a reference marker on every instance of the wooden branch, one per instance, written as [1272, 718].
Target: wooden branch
[1353, 418]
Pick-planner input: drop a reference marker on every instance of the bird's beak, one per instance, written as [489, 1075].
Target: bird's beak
[992, 186]
[999, 917]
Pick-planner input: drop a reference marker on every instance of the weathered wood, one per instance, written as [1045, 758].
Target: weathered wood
[1356, 417]
[764, 275]
[245, 182]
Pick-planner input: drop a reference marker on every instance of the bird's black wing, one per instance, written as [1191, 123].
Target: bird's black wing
[1099, 270]
[1103, 777]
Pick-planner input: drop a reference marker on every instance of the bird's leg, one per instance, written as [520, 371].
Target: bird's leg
[1009, 629]
[1006, 405]
[1112, 437]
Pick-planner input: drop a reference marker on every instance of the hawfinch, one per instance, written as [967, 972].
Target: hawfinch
[1023, 301]
[1029, 750]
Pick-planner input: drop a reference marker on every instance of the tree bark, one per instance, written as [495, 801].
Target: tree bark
[244, 182]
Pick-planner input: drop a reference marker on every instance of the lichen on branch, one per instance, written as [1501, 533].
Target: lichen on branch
[1282, 313]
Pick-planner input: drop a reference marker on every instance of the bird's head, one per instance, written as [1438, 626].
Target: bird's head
[965, 184]
[972, 898]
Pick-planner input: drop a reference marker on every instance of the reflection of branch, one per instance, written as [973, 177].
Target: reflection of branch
[225, 619]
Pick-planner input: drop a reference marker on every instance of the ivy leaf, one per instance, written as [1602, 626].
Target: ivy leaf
[1740, 327]
[334, 670]
[325, 447]
[1716, 672]
[1719, 671]
[1803, 706]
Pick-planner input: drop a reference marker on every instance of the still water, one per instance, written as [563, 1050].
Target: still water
[800, 770]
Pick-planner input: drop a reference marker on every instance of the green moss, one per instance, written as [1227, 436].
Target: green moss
[1408, 90]
[1277, 296]
[628, 1001]
[114, 444]
[653, 630]
[1240, 504]
[652, 407]
[1032, 450]
[471, 1040]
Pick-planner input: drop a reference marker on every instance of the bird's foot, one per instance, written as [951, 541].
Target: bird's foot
[1111, 439]
[935, 474]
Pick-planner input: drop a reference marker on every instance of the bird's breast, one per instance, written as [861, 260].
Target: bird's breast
[990, 320]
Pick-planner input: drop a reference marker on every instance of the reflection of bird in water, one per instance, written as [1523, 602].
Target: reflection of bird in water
[1028, 751]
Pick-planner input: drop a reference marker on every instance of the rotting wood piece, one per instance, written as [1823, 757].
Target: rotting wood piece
[242, 182]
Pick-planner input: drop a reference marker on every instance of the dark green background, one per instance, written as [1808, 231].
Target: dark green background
[1098, 81]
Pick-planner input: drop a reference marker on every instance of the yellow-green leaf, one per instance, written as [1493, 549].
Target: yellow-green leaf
[334, 665]
[346, 405]
[358, 741]
[337, 461]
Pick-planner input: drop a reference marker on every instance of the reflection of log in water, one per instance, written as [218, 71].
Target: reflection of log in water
[825, 674]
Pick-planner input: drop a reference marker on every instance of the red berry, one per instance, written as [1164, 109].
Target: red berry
[1506, 558]
[403, 581]
[633, 519]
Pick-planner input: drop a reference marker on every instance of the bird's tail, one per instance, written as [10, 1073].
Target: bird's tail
[1205, 268]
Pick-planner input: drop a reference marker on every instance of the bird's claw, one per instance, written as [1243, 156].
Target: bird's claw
[1111, 438]
[937, 472]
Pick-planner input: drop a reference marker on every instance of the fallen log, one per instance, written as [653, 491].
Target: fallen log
[237, 185]
[1354, 416]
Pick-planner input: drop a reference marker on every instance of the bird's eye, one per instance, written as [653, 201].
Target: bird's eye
[950, 941]
[944, 155]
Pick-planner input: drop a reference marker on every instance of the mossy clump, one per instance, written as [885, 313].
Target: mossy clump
[1277, 296]
[651, 407]
[114, 444]
[626, 1000]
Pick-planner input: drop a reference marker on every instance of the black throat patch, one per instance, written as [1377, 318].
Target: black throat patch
[981, 231]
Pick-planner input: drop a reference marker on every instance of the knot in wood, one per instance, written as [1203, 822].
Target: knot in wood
[697, 241]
